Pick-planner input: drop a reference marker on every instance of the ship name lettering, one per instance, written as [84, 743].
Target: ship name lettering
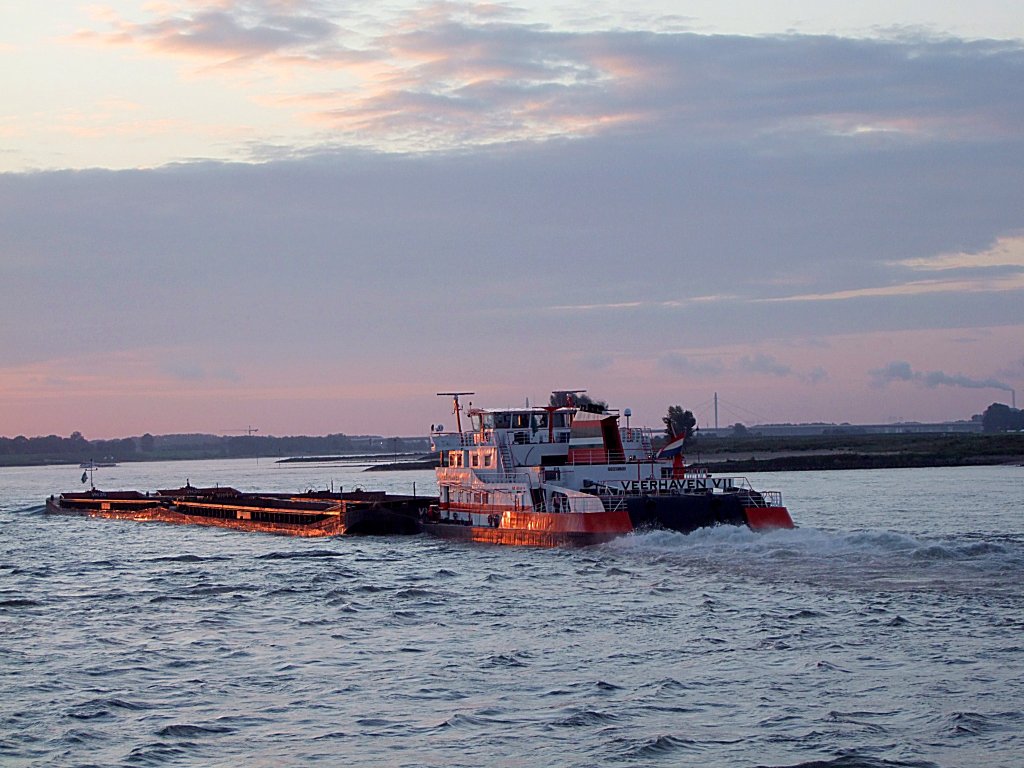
[654, 485]
[670, 485]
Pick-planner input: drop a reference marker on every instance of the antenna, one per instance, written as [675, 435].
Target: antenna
[456, 406]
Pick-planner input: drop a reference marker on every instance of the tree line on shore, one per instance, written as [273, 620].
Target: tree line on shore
[1002, 418]
[997, 418]
[76, 448]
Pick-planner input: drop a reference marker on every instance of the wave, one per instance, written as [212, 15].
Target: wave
[661, 746]
[19, 602]
[812, 542]
[977, 723]
[35, 509]
[585, 717]
[186, 559]
[475, 721]
[883, 560]
[854, 761]
[158, 754]
[188, 731]
[301, 554]
[411, 592]
[103, 708]
[513, 659]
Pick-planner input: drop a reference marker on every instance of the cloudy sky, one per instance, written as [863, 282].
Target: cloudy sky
[310, 216]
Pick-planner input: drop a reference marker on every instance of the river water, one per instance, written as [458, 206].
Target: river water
[887, 631]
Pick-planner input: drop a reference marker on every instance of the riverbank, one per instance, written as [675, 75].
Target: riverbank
[721, 455]
[817, 453]
[857, 452]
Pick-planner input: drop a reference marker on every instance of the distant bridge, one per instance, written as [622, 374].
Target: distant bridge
[898, 428]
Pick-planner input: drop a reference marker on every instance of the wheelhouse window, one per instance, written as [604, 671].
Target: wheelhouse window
[498, 420]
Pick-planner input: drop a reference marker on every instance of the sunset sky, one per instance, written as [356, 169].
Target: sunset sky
[309, 216]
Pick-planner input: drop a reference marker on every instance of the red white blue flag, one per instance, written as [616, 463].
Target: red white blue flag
[673, 448]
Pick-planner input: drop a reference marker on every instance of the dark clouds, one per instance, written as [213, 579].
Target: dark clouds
[235, 253]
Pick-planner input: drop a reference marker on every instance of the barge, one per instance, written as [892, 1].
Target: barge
[314, 513]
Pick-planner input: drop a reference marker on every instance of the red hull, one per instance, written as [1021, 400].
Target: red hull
[539, 529]
[767, 518]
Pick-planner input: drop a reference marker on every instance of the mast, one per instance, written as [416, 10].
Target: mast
[456, 406]
[87, 474]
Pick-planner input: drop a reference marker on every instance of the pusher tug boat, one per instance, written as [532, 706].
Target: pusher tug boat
[571, 475]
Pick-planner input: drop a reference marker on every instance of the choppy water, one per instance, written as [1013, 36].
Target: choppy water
[886, 631]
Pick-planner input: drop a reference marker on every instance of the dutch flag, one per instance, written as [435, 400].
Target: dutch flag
[672, 449]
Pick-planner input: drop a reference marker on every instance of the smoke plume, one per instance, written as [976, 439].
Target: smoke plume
[902, 371]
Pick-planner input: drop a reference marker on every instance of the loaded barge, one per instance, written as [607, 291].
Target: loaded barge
[314, 513]
[535, 476]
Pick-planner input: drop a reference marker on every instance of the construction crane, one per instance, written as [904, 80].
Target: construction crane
[250, 431]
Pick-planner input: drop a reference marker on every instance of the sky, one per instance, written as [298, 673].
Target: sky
[310, 217]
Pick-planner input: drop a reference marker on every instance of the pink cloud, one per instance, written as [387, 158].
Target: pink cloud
[451, 74]
[230, 32]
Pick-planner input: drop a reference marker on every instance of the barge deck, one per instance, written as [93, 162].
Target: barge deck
[314, 513]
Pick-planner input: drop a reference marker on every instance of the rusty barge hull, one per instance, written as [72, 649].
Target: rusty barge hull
[315, 514]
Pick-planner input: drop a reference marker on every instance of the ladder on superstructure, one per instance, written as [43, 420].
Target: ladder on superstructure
[508, 463]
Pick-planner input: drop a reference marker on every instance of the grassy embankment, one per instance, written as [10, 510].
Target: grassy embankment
[763, 454]
[775, 454]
